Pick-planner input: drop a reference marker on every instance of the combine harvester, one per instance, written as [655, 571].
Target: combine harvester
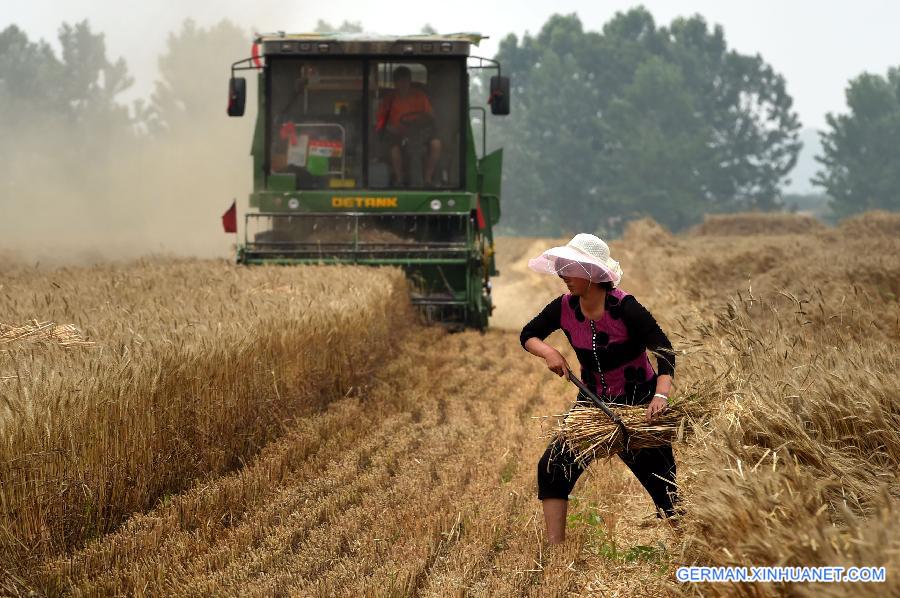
[364, 153]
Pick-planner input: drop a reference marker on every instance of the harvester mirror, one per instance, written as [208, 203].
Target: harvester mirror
[499, 99]
[237, 96]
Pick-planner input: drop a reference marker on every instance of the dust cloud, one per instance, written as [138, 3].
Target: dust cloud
[83, 192]
[164, 198]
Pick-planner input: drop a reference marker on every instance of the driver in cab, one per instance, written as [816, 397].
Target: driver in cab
[406, 120]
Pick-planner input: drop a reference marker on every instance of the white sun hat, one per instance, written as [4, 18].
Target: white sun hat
[585, 256]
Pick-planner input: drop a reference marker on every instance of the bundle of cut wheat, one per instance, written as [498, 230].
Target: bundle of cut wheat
[589, 433]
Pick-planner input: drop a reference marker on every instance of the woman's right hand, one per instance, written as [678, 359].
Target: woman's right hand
[556, 363]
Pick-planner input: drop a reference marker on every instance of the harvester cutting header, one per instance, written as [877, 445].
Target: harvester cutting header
[364, 153]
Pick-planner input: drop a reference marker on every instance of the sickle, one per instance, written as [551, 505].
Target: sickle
[602, 405]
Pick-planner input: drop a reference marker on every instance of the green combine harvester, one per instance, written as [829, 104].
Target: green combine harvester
[364, 153]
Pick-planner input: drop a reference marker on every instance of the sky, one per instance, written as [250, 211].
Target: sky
[818, 45]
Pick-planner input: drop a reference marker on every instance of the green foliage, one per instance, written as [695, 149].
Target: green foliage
[91, 82]
[639, 120]
[860, 157]
[589, 517]
[191, 89]
[58, 111]
[81, 85]
[601, 543]
[29, 74]
[509, 469]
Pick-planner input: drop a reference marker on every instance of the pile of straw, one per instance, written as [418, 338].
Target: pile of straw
[65, 335]
[589, 433]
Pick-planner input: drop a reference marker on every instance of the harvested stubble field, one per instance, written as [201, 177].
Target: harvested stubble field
[284, 431]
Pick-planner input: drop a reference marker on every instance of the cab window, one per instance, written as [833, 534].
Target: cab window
[316, 122]
[415, 129]
[412, 115]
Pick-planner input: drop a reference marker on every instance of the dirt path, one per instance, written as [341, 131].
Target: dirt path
[518, 292]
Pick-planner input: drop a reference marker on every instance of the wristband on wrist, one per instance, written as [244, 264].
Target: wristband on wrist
[662, 396]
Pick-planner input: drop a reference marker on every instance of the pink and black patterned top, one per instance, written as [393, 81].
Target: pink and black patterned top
[612, 351]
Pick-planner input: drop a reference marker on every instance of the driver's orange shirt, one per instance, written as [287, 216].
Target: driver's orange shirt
[394, 107]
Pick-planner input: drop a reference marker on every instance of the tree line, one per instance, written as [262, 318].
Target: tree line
[636, 119]
[641, 119]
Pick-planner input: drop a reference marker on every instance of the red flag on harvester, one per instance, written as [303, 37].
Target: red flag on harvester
[479, 215]
[229, 218]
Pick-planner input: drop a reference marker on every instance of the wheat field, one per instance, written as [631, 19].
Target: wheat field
[187, 427]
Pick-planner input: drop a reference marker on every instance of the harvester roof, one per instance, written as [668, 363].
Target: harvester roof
[367, 43]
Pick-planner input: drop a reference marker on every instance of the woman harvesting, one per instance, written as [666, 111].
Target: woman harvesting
[611, 333]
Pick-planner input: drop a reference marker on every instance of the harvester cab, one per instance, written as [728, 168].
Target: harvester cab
[364, 153]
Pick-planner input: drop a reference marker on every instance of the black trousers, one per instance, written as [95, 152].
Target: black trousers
[653, 467]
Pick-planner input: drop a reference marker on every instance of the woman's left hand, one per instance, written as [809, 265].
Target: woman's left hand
[656, 406]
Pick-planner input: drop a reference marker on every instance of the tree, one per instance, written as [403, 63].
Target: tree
[92, 82]
[861, 163]
[57, 111]
[80, 87]
[658, 156]
[195, 151]
[549, 178]
[191, 89]
[640, 120]
[29, 74]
